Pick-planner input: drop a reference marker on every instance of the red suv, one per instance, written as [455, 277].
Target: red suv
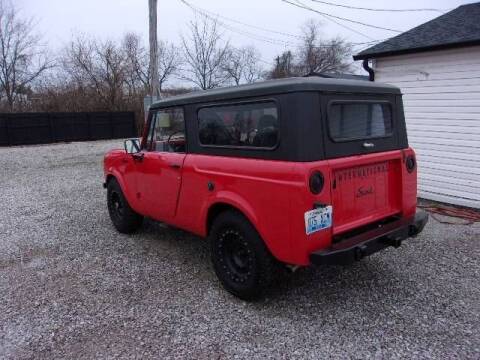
[294, 172]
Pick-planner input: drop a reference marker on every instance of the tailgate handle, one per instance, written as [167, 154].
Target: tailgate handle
[368, 145]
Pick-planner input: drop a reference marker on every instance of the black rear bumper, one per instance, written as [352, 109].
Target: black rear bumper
[357, 247]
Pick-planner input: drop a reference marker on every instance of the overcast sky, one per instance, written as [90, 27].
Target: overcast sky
[59, 19]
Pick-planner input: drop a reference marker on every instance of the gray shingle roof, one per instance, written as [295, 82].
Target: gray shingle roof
[459, 27]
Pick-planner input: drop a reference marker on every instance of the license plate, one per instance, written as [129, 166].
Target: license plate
[318, 219]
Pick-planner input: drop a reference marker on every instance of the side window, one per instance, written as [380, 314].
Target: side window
[357, 120]
[242, 125]
[167, 131]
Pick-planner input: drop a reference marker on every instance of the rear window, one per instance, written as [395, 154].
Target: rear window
[359, 120]
[240, 125]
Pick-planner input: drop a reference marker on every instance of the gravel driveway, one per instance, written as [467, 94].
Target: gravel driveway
[72, 287]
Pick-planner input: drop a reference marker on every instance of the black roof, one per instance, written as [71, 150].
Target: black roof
[340, 76]
[457, 28]
[279, 86]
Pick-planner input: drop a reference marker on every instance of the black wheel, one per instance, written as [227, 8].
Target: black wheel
[123, 217]
[240, 258]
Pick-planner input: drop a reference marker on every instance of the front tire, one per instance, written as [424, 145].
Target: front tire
[242, 262]
[123, 217]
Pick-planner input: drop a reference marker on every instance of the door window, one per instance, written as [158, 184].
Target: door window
[167, 131]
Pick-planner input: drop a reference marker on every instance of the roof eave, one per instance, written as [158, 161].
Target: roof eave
[416, 50]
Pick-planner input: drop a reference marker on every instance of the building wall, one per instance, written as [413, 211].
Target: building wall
[442, 110]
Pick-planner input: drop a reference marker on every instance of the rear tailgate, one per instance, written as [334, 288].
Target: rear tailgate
[363, 138]
[365, 189]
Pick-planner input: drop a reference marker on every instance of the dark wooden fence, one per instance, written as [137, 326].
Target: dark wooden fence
[43, 128]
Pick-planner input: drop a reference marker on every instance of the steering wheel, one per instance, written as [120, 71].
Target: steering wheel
[170, 138]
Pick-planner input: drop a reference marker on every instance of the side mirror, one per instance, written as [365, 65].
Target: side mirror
[132, 146]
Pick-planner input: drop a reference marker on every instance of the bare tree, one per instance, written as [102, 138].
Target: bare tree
[56, 92]
[169, 62]
[205, 53]
[22, 57]
[315, 56]
[254, 71]
[284, 66]
[137, 58]
[242, 65]
[137, 75]
[98, 65]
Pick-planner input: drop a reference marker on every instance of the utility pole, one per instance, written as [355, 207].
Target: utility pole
[154, 81]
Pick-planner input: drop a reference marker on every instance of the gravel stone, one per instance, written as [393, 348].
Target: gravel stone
[72, 287]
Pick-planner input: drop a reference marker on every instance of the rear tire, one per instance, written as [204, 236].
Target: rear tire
[123, 217]
[242, 262]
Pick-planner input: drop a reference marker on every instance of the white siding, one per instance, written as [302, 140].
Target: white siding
[442, 109]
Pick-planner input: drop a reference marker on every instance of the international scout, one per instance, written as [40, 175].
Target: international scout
[295, 172]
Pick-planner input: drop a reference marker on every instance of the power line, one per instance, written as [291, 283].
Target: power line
[238, 31]
[257, 37]
[346, 27]
[245, 24]
[375, 9]
[214, 16]
[241, 32]
[305, 7]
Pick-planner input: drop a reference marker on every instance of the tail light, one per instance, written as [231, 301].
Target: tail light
[410, 163]
[316, 182]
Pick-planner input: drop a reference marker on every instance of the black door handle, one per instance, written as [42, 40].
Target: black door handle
[175, 166]
[138, 156]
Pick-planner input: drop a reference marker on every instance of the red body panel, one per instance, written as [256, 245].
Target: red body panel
[273, 195]
[260, 189]
[158, 181]
[122, 167]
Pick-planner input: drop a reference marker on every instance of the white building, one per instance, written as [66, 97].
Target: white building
[437, 67]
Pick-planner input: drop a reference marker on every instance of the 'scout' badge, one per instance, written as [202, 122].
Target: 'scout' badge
[364, 191]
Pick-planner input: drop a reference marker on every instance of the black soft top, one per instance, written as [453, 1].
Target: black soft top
[280, 86]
